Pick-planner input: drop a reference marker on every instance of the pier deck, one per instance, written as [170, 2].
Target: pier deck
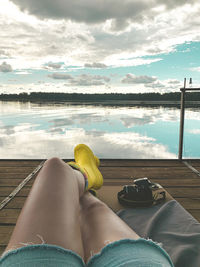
[180, 181]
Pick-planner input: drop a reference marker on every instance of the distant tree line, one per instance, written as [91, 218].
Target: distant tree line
[66, 97]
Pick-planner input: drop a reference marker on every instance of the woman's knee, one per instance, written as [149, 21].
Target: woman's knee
[57, 164]
[53, 161]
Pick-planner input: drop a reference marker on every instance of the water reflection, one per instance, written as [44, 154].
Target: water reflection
[41, 131]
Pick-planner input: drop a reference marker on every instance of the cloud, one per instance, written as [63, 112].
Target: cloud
[60, 76]
[22, 72]
[51, 142]
[81, 80]
[195, 69]
[194, 131]
[85, 11]
[88, 80]
[173, 81]
[4, 67]
[95, 65]
[3, 53]
[134, 28]
[129, 122]
[98, 11]
[155, 85]
[117, 33]
[132, 79]
[54, 65]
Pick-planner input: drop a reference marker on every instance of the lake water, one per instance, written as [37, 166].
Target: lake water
[29, 130]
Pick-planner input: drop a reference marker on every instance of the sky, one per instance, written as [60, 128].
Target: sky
[84, 46]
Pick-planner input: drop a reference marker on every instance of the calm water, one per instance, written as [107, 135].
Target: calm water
[42, 131]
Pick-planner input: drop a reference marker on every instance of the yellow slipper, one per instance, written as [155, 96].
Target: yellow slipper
[72, 163]
[86, 160]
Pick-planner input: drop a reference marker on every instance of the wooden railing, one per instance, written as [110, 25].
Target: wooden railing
[182, 116]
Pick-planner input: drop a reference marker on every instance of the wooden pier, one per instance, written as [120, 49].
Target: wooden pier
[178, 179]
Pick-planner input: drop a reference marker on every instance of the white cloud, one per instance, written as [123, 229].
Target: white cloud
[116, 33]
[85, 11]
[90, 34]
[95, 65]
[194, 131]
[156, 85]
[173, 81]
[195, 69]
[51, 143]
[60, 76]
[88, 80]
[81, 80]
[131, 78]
[4, 67]
[22, 72]
[97, 12]
[52, 65]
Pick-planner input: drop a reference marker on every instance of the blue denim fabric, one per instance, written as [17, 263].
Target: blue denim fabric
[122, 253]
[129, 253]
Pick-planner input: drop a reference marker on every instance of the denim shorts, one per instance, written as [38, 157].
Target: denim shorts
[123, 253]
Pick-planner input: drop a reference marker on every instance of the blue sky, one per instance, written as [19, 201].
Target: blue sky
[135, 47]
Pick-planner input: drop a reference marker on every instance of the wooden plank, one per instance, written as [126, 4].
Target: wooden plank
[14, 182]
[178, 191]
[5, 234]
[119, 181]
[9, 215]
[9, 172]
[139, 163]
[198, 169]
[21, 185]
[15, 178]
[106, 162]
[20, 163]
[194, 163]
[14, 175]
[195, 214]
[5, 191]
[16, 170]
[184, 192]
[163, 181]
[16, 202]
[189, 204]
[2, 248]
[144, 163]
[116, 172]
[132, 172]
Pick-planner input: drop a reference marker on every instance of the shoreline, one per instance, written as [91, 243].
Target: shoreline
[146, 99]
[129, 103]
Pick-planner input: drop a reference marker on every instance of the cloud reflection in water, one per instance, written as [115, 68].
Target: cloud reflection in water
[35, 131]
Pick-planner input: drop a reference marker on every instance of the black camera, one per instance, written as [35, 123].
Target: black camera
[139, 194]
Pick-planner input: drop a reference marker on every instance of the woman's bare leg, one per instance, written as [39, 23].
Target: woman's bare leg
[100, 225]
[52, 209]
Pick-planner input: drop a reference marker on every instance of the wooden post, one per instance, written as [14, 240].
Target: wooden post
[182, 121]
